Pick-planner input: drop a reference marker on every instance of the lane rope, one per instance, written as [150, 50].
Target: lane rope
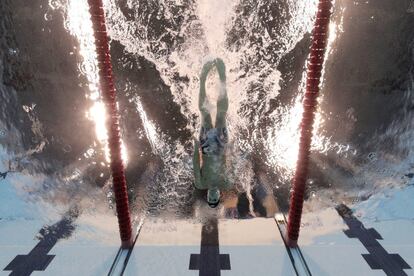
[320, 35]
[108, 93]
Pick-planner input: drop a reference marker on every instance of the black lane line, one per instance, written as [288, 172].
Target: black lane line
[118, 256]
[38, 258]
[210, 262]
[378, 257]
[281, 225]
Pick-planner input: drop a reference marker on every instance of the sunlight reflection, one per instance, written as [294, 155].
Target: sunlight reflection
[283, 139]
[78, 24]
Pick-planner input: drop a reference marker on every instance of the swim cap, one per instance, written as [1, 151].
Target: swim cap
[213, 197]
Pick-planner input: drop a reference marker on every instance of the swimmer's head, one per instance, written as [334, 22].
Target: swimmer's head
[213, 197]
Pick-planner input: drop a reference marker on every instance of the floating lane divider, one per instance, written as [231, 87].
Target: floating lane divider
[108, 94]
[314, 72]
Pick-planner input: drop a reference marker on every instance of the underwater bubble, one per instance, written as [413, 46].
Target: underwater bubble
[55, 4]
[26, 108]
[411, 8]
[48, 16]
[67, 148]
[87, 67]
[13, 52]
[372, 156]
[66, 25]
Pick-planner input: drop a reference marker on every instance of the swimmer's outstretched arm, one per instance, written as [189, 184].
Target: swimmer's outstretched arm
[223, 101]
[196, 165]
[206, 121]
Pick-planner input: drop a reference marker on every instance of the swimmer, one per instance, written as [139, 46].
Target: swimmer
[209, 152]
